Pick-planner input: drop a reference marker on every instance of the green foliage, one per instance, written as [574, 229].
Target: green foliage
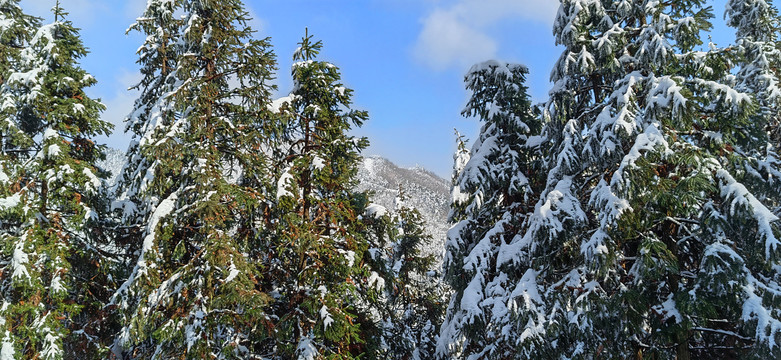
[656, 227]
[315, 238]
[14, 37]
[192, 189]
[492, 194]
[51, 310]
[403, 294]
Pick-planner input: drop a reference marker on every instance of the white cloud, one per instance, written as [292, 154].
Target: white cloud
[457, 35]
[446, 40]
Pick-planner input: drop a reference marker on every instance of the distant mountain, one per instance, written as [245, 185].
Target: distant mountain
[115, 160]
[427, 192]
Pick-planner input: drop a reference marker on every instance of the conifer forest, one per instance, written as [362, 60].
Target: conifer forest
[634, 214]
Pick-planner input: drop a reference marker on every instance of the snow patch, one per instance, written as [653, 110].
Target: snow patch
[53, 151]
[93, 181]
[277, 105]
[376, 280]
[57, 286]
[740, 198]
[233, 272]
[19, 260]
[306, 349]
[376, 211]
[318, 163]
[7, 350]
[51, 348]
[10, 202]
[326, 317]
[165, 208]
[283, 184]
[50, 133]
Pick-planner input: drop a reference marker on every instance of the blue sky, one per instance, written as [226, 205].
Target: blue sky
[405, 59]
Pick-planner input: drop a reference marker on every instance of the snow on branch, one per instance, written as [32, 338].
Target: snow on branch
[740, 199]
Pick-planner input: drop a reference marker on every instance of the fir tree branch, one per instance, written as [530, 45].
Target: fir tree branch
[724, 332]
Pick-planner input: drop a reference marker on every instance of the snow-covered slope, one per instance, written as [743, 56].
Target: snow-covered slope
[427, 192]
[115, 160]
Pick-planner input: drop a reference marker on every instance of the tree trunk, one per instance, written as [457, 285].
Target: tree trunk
[682, 350]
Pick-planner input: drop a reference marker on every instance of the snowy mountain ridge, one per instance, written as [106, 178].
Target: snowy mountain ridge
[427, 192]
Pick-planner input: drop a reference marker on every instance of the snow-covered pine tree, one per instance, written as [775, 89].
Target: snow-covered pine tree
[492, 193]
[644, 242]
[404, 291]
[152, 113]
[316, 239]
[757, 24]
[52, 282]
[372, 301]
[193, 292]
[16, 29]
[415, 302]
[460, 159]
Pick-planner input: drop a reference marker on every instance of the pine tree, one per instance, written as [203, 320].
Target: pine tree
[492, 194]
[315, 239]
[51, 257]
[17, 29]
[193, 292]
[14, 37]
[757, 24]
[460, 159]
[644, 242]
[403, 293]
[152, 113]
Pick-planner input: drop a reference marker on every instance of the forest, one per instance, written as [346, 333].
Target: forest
[634, 214]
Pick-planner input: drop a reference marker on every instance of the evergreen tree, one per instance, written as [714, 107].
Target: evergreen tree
[14, 36]
[757, 24]
[403, 291]
[152, 113]
[315, 239]
[460, 159]
[52, 282]
[644, 242]
[492, 194]
[199, 126]
[16, 30]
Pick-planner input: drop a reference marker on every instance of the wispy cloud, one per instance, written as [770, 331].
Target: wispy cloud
[447, 40]
[456, 34]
